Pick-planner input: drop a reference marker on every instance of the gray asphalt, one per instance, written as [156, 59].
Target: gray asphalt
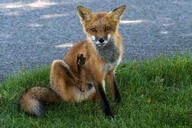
[34, 33]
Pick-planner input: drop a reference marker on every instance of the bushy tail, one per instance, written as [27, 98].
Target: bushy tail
[33, 99]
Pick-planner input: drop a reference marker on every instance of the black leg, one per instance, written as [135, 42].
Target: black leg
[117, 94]
[102, 97]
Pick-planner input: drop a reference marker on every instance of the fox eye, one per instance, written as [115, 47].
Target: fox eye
[107, 28]
[93, 30]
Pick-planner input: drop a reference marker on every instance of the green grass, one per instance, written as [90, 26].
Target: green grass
[155, 93]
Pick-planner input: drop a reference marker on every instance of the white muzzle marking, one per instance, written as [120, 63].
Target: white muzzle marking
[96, 42]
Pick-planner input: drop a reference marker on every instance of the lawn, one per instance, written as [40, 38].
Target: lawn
[156, 93]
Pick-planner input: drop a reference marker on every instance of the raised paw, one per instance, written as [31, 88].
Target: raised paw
[80, 60]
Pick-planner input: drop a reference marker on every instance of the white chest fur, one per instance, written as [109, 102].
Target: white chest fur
[80, 96]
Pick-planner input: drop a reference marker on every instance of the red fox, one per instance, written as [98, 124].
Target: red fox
[81, 74]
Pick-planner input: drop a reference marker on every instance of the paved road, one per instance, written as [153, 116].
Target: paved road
[34, 33]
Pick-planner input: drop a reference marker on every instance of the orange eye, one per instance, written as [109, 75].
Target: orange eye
[107, 28]
[93, 29]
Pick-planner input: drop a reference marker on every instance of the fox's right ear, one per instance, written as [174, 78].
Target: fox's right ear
[84, 13]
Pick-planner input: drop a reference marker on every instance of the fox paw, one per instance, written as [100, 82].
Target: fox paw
[80, 60]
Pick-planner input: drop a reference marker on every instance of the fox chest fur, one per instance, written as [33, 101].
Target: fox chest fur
[110, 55]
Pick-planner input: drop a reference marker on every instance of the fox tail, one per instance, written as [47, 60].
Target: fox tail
[34, 98]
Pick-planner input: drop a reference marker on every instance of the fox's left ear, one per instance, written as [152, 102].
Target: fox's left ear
[117, 13]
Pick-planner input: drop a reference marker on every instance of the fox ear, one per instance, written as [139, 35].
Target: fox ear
[117, 13]
[84, 13]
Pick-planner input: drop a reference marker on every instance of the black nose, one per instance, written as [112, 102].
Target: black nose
[101, 40]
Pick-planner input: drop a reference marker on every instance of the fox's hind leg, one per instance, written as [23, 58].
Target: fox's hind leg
[81, 71]
[62, 84]
[63, 80]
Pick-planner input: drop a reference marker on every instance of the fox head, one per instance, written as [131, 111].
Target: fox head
[100, 27]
